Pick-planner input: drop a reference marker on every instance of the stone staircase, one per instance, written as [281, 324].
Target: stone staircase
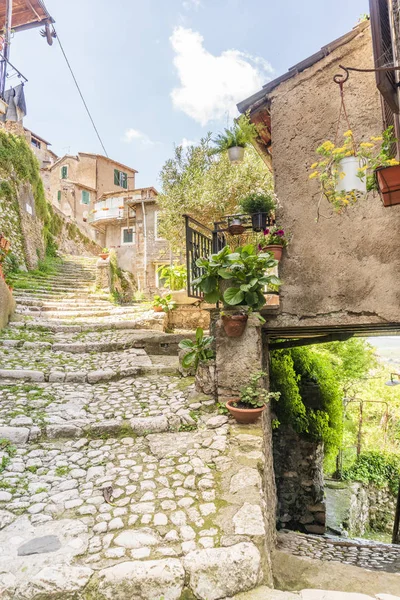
[117, 480]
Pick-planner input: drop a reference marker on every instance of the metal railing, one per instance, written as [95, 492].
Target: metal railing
[7, 73]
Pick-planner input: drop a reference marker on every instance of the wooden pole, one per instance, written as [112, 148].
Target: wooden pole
[360, 424]
[396, 526]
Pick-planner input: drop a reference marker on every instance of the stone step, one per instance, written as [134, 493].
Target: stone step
[61, 302]
[43, 295]
[67, 307]
[155, 324]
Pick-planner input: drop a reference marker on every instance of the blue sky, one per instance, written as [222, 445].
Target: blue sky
[157, 72]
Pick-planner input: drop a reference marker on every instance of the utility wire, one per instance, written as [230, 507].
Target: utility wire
[80, 93]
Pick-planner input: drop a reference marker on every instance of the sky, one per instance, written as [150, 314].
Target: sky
[163, 72]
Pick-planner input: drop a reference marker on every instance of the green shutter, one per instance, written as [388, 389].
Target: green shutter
[85, 197]
[116, 177]
[64, 172]
[125, 181]
[59, 195]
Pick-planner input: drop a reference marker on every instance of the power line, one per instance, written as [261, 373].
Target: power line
[80, 93]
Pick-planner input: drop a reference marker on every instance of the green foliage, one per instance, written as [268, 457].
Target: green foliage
[198, 351]
[242, 132]
[244, 269]
[206, 187]
[10, 264]
[175, 276]
[166, 302]
[253, 395]
[377, 468]
[352, 361]
[257, 202]
[291, 371]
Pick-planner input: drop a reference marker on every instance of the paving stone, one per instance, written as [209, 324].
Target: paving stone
[249, 520]
[137, 538]
[16, 435]
[48, 543]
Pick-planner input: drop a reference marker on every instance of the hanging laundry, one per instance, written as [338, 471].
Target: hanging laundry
[15, 98]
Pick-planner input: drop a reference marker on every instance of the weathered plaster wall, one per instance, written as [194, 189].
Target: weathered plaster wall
[7, 303]
[343, 269]
[105, 176]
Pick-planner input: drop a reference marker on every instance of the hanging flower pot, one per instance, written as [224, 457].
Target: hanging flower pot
[259, 221]
[236, 154]
[235, 226]
[275, 249]
[234, 325]
[388, 179]
[349, 181]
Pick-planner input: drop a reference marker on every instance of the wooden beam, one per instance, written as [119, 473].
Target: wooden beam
[321, 339]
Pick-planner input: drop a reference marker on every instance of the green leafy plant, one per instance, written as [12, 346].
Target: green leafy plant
[372, 155]
[242, 132]
[105, 251]
[165, 302]
[253, 395]
[258, 203]
[376, 468]
[244, 271]
[199, 350]
[175, 276]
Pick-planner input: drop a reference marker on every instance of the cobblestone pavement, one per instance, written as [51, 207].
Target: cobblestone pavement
[115, 486]
[357, 552]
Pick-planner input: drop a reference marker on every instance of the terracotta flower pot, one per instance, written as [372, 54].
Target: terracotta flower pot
[244, 415]
[276, 251]
[104, 255]
[234, 325]
[158, 309]
[388, 179]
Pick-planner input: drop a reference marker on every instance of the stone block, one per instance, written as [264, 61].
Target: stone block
[249, 520]
[143, 425]
[100, 375]
[56, 376]
[76, 376]
[16, 435]
[25, 374]
[63, 430]
[142, 580]
[216, 573]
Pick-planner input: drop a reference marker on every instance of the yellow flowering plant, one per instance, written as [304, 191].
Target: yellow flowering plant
[372, 155]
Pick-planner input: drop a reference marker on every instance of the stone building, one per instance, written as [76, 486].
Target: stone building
[129, 223]
[76, 182]
[340, 272]
[45, 156]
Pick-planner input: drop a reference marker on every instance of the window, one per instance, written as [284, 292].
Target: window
[59, 195]
[121, 179]
[64, 172]
[127, 235]
[156, 225]
[35, 142]
[85, 199]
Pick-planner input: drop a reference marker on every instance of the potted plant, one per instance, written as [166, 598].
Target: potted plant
[252, 401]
[235, 138]
[235, 225]
[349, 171]
[174, 278]
[237, 279]
[163, 304]
[274, 241]
[104, 254]
[199, 356]
[259, 206]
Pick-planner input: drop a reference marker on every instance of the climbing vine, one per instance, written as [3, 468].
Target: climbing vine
[291, 372]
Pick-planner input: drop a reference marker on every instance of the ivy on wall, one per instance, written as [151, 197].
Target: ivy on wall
[376, 468]
[316, 416]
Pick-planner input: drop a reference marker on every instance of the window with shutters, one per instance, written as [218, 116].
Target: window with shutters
[127, 236]
[121, 179]
[85, 198]
[64, 172]
[59, 195]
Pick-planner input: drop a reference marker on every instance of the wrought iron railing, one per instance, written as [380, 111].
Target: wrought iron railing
[7, 74]
[200, 242]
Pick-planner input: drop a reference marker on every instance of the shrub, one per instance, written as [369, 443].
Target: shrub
[376, 468]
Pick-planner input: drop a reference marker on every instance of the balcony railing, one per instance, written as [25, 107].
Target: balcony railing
[8, 73]
[107, 214]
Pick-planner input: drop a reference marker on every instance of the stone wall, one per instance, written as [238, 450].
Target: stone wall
[188, 317]
[7, 303]
[356, 508]
[299, 481]
[344, 268]
[31, 227]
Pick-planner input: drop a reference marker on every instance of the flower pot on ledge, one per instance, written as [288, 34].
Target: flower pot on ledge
[388, 179]
[104, 255]
[234, 325]
[275, 249]
[244, 415]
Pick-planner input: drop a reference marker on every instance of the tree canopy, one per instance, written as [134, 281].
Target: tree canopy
[206, 186]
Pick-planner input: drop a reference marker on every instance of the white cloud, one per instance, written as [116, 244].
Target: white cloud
[211, 86]
[132, 135]
[188, 4]
[185, 143]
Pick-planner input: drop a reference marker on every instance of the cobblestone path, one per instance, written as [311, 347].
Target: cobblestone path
[366, 554]
[117, 480]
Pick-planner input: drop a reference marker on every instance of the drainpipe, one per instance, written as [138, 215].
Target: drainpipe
[145, 246]
[7, 41]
